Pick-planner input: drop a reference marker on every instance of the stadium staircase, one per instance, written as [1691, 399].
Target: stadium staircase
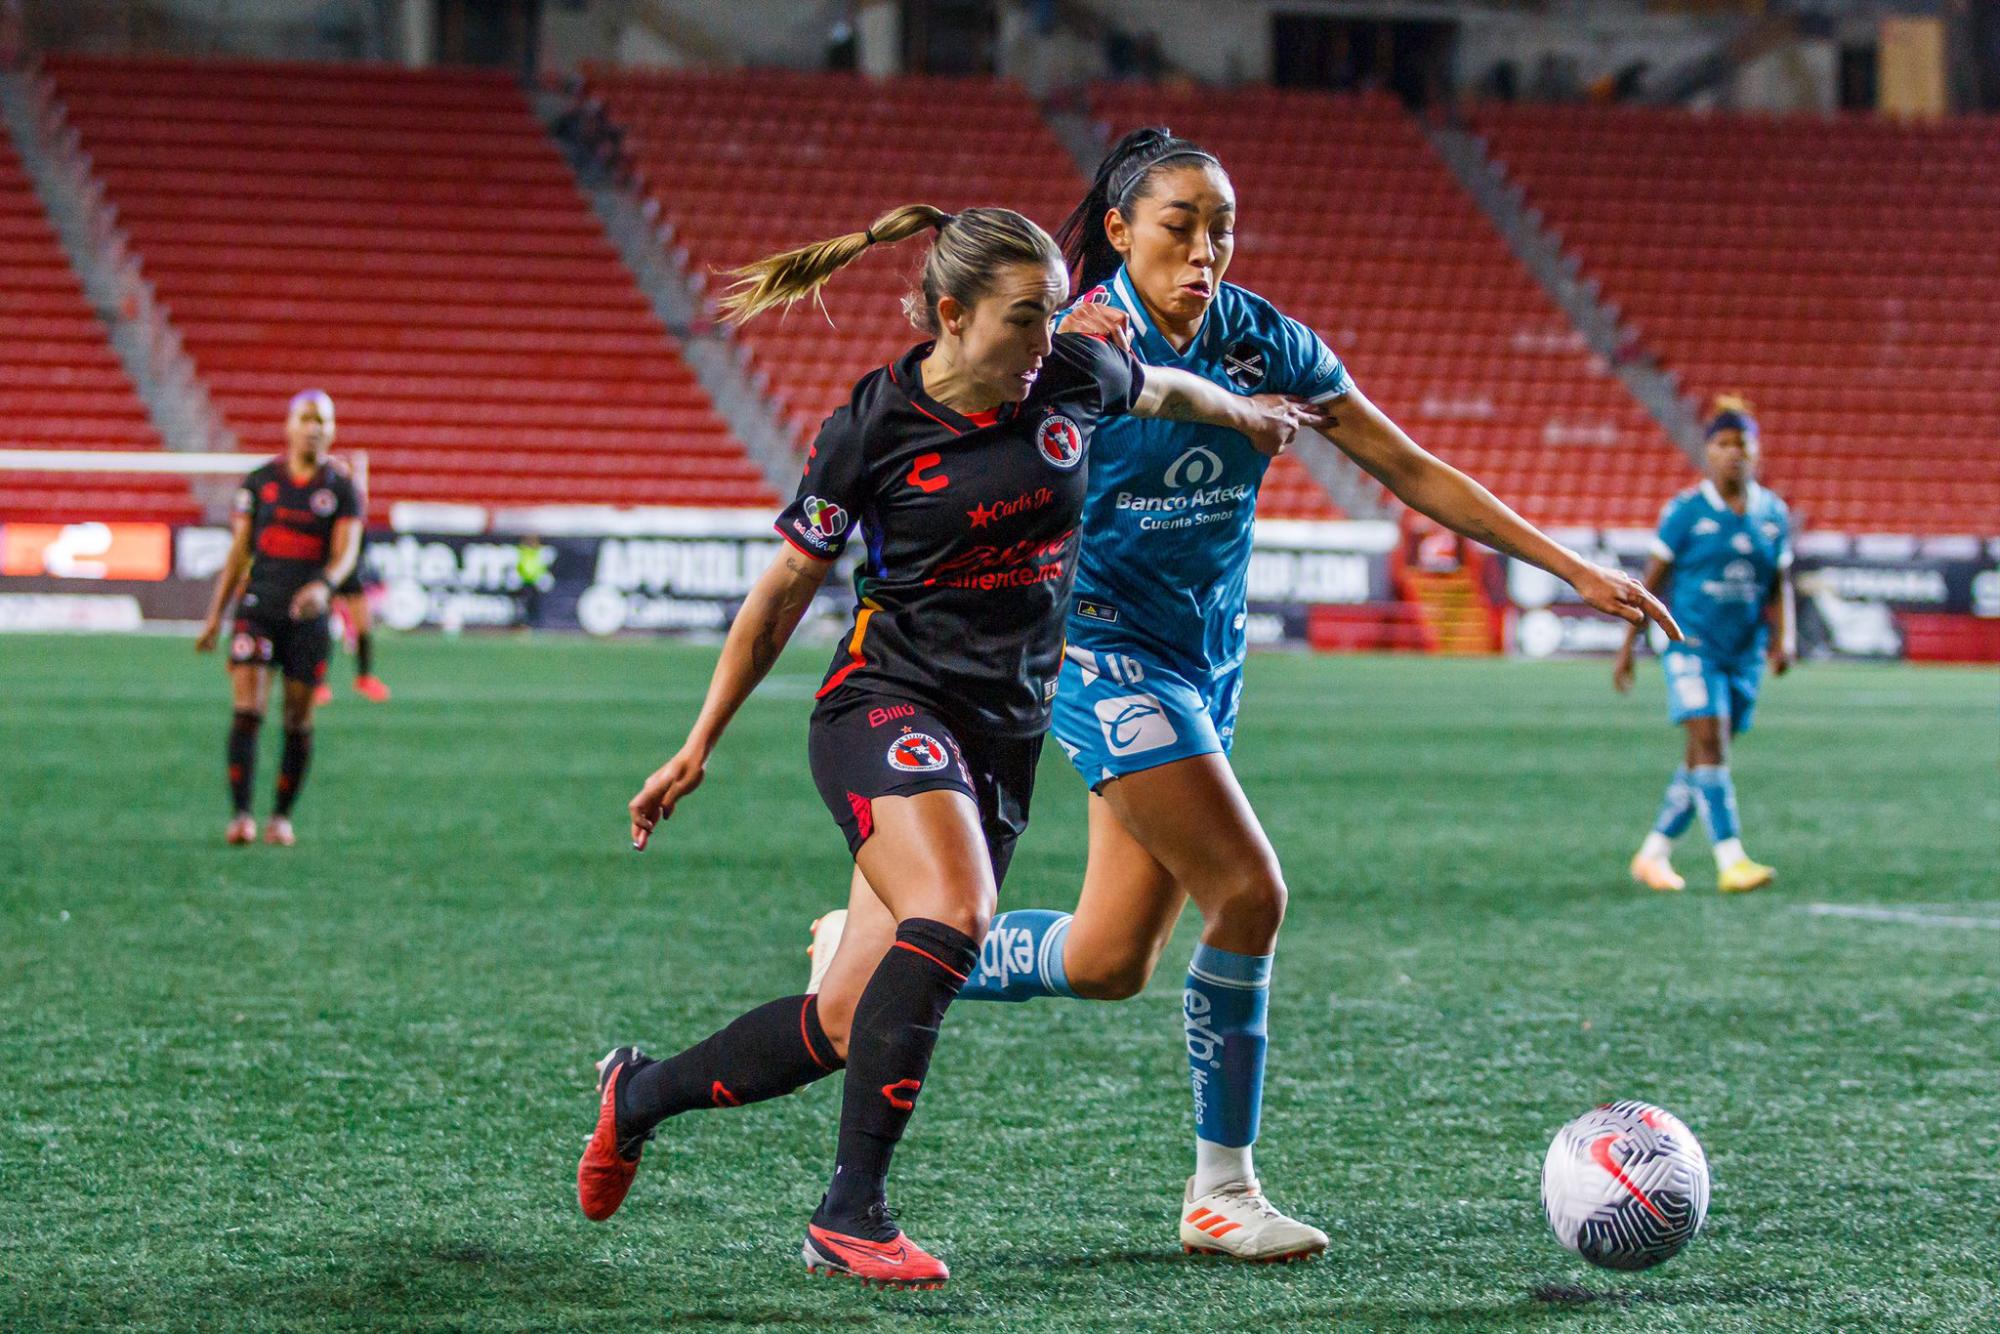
[413, 242]
[90, 362]
[1843, 273]
[1352, 223]
[742, 164]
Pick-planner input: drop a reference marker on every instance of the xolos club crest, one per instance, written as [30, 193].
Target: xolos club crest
[917, 753]
[1060, 441]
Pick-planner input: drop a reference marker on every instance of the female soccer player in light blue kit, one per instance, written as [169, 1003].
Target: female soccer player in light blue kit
[1146, 699]
[1723, 558]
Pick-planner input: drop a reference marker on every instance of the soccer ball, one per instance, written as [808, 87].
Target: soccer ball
[1625, 1185]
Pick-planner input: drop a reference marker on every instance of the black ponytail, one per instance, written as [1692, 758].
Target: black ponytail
[1121, 178]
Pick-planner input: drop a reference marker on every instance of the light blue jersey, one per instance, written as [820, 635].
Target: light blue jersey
[1152, 672]
[1166, 526]
[1725, 567]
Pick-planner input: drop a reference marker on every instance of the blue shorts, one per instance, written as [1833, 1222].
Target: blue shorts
[1698, 688]
[1117, 714]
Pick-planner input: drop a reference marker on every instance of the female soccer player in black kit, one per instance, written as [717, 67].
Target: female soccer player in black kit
[963, 466]
[296, 532]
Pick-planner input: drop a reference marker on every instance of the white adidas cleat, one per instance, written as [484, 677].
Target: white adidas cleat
[826, 933]
[1240, 1223]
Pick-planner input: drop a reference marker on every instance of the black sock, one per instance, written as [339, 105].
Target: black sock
[242, 757]
[364, 653]
[292, 768]
[888, 1054]
[765, 1054]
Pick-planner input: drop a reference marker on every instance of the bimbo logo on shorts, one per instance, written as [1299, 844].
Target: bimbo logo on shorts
[917, 753]
[1060, 441]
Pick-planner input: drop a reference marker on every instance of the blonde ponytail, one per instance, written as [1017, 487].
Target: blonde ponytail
[781, 279]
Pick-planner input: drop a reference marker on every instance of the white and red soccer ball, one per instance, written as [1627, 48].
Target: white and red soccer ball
[1625, 1185]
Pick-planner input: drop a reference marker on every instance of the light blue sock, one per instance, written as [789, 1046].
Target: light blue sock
[1716, 796]
[1224, 1007]
[1021, 957]
[1677, 807]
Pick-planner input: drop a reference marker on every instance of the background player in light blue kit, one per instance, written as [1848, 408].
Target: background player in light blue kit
[1723, 558]
[1146, 700]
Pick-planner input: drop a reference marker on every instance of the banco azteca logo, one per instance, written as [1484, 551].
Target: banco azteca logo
[1198, 466]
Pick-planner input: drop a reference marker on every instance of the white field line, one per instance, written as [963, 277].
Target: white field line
[1904, 915]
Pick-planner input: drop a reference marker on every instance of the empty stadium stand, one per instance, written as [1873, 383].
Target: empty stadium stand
[1350, 222]
[61, 386]
[1843, 273]
[412, 242]
[746, 163]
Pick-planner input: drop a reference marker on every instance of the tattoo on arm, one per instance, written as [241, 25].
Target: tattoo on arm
[1176, 407]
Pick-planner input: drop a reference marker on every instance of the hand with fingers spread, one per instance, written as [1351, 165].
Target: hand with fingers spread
[1619, 594]
[1101, 320]
[662, 791]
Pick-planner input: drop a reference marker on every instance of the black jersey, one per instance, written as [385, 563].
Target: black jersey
[291, 528]
[970, 532]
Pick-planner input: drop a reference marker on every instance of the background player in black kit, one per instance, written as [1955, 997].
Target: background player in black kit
[296, 533]
[962, 465]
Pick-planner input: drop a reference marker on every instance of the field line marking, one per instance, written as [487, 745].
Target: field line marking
[1903, 915]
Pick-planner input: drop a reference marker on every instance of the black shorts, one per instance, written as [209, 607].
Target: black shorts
[880, 746]
[297, 648]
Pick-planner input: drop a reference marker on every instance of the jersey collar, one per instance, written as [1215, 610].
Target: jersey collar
[1713, 496]
[906, 373]
[1152, 345]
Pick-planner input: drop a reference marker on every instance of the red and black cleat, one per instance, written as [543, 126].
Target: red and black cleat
[610, 1160]
[896, 1262]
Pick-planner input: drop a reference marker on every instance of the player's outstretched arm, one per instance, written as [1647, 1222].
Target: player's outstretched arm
[1269, 420]
[756, 637]
[1658, 574]
[1433, 487]
[228, 582]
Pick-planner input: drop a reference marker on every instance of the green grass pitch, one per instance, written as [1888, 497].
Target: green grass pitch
[346, 1085]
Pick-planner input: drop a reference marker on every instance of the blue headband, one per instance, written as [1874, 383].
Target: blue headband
[1730, 419]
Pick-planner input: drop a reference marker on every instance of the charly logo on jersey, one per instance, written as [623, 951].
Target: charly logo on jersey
[1061, 441]
[1741, 542]
[1243, 363]
[322, 502]
[1703, 527]
[269, 493]
[828, 519]
[1197, 466]
[1134, 723]
[917, 753]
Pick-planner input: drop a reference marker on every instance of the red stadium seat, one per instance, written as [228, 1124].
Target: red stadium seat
[1843, 273]
[61, 386]
[411, 242]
